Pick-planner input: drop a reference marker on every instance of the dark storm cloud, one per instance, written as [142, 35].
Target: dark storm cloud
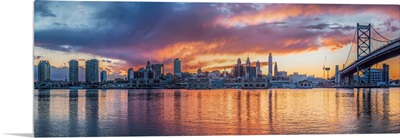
[43, 10]
[320, 26]
[323, 26]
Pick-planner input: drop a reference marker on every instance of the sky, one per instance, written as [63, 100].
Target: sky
[211, 36]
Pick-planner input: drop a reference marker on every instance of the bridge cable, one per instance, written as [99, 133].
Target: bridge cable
[379, 40]
[348, 55]
[379, 33]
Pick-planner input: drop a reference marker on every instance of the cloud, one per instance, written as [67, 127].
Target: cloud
[37, 57]
[43, 10]
[160, 32]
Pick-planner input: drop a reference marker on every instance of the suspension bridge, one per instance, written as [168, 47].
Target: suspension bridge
[370, 51]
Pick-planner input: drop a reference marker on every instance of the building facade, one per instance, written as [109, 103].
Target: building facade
[131, 74]
[44, 70]
[158, 70]
[92, 71]
[177, 67]
[73, 71]
[103, 76]
[258, 68]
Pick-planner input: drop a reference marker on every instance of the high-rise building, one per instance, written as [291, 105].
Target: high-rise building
[385, 74]
[103, 76]
[44, 70]
[92, 71]
[131, 74]
[252, 72]
[258, 69]
[177, 67]
[247, 68]
[239, 69]
[73, 71]
[270, 65]
[158, 70]
[276, 69]
[248, 62]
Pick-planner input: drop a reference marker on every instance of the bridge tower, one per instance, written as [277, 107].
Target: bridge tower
[363, 49]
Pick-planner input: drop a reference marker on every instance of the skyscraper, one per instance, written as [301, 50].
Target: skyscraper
[131, 74]
[103, 76]
[158, 70]
[92, 71]
[44, 70]
[258, 68]
[177, 67]
[270, 65]
[276, 69]
[73, 71]
[247, 68]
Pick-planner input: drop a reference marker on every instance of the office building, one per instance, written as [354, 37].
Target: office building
[44, 70]
[73, 71]
[385, 74]
[103, 76]
[258, 68]
[158, 70]
[131, 74]
[252, 72]
[177, 67]
[92, 71]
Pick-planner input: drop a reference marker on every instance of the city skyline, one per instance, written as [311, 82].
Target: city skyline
[225, 32]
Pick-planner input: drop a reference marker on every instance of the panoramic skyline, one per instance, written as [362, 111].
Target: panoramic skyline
[209, 36]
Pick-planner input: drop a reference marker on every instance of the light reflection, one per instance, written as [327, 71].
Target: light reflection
[215, 112]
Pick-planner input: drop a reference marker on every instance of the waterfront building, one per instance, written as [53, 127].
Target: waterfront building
[131, 74]
[177, 67]
[158, 70]
[198, 83]
[103, 76]
[44, 70]
[281, 74]
[217, 83]
[385, 74]
[92, 71]
[375, 77]
[73, 71]
[296, 77]
[304, 84]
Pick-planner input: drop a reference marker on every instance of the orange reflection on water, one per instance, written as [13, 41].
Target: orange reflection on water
[215, 112]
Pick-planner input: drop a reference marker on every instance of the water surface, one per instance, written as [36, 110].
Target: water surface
[135, 112]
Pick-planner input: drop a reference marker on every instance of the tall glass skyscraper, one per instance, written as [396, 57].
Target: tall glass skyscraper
[177, 67]
[92, 71]
[44, 70]
[103, 76]
[73, 71]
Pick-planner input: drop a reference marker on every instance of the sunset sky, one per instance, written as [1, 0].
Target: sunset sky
[209, 36]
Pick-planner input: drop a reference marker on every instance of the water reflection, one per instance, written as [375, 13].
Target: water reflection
[73, 113]
[215, 112]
